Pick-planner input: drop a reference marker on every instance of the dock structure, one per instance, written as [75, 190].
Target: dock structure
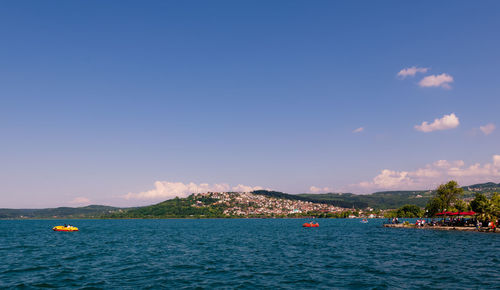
[443, 228]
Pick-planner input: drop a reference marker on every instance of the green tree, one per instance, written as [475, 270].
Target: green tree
[479, 202]
[461, 205]
[482, 206]
[434, 206]
[390, 214]
[449, 193]
[495, 201]
[446, 195]
[409, 211]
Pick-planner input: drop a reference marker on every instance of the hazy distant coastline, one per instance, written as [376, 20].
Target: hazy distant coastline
[260, 204]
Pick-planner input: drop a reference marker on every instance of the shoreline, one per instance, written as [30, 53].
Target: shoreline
[442, 228]
[170, 218]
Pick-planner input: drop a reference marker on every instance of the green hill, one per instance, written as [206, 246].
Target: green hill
[260, 203]
[396, 199]
[202, 206]
[315, 198]
[487, 188]
[172, 208]
[91, 211]
[377, 200]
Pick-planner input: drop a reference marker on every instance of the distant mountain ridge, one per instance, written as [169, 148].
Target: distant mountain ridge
[488, 186]
[183, 206]
[90, 211]
[396, 199]
[377, 200]
[260, 203]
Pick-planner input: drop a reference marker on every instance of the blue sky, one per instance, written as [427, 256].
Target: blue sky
[133, 102]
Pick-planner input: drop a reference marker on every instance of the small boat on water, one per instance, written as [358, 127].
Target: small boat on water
[364, 221]
[65, 228]
[310, 225]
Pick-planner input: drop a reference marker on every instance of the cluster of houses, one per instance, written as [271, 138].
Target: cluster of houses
[249, 204]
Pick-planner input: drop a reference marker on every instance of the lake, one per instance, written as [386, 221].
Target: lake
[243, 253]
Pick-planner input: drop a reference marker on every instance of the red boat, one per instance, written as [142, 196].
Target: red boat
[310, 225]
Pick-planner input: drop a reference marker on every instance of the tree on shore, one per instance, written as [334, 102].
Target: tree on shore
[409, 211]
[487, 209]
[461, 205]
[434, 206]
[446, 195]
[495, 200]
[406, 211]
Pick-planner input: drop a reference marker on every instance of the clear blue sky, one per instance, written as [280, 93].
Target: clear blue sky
[103, 98]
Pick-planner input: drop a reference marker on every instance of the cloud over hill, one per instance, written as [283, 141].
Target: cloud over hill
[434, 174]
[167, 190]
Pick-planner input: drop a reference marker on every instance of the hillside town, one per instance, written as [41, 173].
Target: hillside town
[250, 204]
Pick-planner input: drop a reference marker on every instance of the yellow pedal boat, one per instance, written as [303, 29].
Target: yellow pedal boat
[65, 229]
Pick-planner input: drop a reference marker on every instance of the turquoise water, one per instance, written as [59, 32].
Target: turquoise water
[243, 253]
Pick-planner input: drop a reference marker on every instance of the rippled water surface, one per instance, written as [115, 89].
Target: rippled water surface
[243, 253]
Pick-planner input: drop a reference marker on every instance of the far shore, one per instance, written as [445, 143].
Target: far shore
[174, 218]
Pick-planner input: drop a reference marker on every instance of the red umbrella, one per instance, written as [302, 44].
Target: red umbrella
[453, 213]
[440, 213]
[468, 213]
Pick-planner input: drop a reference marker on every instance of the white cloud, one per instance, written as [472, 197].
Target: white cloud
[389, 179]
[315, 189]
[434, 174]
[168, 190]
[80, 200]
[411, 71]
[359, 130]
[442, 80]
[245, 188]
[496, 161]
[487, 129]
[446, 122]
